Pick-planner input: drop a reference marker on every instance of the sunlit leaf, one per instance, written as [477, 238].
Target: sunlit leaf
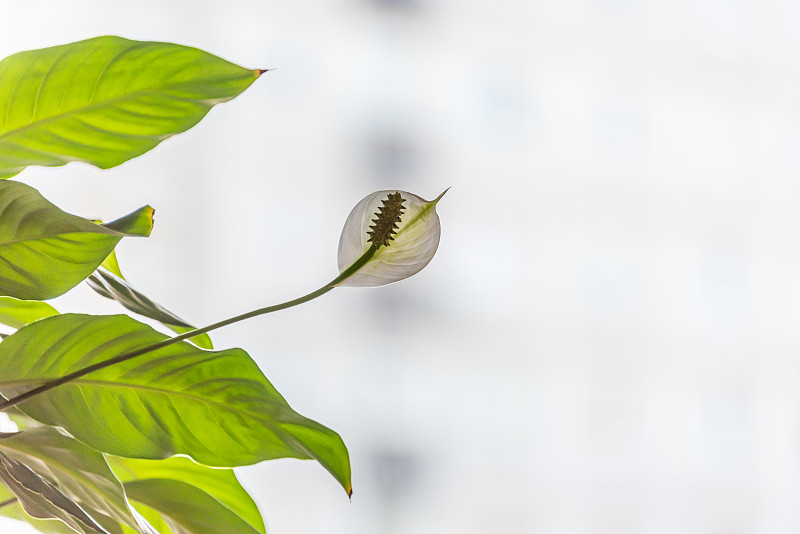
[219, 488]
[105, 100]
[216, 407]
[44, 251]
[117, 288]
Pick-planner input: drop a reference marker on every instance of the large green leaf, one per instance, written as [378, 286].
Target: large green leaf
[216, 407]
[226, 501]
[105, 100]
[44, 251]
[42, 500]
[115, 287]
[79, 471]
[17, 313]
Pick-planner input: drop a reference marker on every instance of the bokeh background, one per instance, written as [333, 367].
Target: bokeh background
[607, 340]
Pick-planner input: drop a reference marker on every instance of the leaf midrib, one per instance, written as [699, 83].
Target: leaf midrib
[110, 233]
[102, 383]
[91, 107]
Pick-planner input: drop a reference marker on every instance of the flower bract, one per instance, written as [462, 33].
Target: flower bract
[396, 232]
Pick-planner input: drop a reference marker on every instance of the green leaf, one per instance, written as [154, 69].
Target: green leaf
[112, 264]
[216, 407]
[42, 500]
[186, 509]
[117, 288]
[44, 251]
[219, 488]
[17, 313]
[79, 471]
[106, 100]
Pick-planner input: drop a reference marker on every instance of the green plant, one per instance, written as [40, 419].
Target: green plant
[104, 404]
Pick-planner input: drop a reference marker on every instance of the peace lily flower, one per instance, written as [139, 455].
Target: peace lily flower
[390, 235]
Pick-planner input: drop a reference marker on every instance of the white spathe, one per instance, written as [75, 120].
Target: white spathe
[412, 248]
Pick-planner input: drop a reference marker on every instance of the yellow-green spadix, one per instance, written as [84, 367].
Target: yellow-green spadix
[396, 230]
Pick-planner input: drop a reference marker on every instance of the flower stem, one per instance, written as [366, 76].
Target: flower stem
[47, 386]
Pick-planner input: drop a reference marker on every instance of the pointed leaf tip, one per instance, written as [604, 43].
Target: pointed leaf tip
[106, 100]
[139, 223]
[58, 250]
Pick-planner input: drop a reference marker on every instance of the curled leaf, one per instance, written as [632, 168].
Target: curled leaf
[80, 473]
[115, 287]
[43, 500]
[402, 229]
[45, 251]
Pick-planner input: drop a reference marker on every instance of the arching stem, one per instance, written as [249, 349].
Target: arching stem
[47, 386]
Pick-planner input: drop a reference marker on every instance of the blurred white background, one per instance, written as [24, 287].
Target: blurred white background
[607, 340]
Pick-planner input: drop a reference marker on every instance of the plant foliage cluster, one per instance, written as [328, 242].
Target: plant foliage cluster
[121, 428]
